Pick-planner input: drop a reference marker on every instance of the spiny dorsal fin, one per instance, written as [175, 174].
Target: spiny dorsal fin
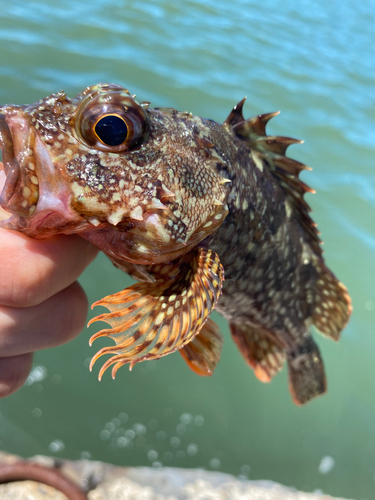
[254, 127]
[270, 151]
[235, 116]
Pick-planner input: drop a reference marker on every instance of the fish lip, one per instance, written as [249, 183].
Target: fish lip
[9, 164]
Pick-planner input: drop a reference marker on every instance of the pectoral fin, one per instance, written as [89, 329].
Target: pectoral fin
[150, 320]
[203, 353]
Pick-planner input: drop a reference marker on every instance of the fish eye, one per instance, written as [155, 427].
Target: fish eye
[112, 122]
[111, 130]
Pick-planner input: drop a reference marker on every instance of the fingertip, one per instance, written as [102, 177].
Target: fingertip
[14, 371]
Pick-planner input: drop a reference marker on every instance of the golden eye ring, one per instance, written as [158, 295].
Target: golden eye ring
[111, 122]
[111, 130]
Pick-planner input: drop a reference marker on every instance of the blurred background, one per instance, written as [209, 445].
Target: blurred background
[314, 61]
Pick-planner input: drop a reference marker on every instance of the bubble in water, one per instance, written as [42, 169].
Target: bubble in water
[175, 442]
[37, 374]
[152, 455]
[116, 422]
[87, 362]
[109, 426]
[161, 435]
[180, 454]
[122, 441]
[192, 450]
[215, 463]
[139, 429]
[124, 417]
[198, 420]
[36, 413]
[186, 418]
[56, 379]
[85, 455]
[157, 465]
[180, 429]
[104, 434]
[130, 434]
[56, 446]
[245, 469]
[326, 465]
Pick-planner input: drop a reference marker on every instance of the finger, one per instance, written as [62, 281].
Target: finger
[52, 323]
[13, 373]
[32, 270]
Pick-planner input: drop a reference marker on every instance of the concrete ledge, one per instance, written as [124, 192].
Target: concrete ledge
[109, 482]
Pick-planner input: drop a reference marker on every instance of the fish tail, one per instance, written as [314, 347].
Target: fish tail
[307, 377]
[332, 304]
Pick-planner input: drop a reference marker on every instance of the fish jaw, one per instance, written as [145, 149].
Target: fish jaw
[32, 192]
[19, 194]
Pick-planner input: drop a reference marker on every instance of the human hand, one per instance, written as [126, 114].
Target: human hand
[41, 303]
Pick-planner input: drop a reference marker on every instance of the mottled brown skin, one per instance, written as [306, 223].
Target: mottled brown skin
[177, 186]
[269, 265]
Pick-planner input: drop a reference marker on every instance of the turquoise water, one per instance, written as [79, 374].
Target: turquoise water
[313, 60]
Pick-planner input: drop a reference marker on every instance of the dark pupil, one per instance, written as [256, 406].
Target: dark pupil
[111, 130]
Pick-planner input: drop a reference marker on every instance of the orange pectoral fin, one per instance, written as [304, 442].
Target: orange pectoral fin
[203, 353]
[151, 320]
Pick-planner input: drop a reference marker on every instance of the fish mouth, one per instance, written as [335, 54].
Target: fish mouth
[9, 164]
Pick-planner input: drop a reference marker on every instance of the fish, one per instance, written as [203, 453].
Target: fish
[202, 215]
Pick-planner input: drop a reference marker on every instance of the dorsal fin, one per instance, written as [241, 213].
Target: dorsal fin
[235, 116]
[270, 151]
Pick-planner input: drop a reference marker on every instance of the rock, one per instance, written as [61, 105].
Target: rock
[108, 482]
[29, 490]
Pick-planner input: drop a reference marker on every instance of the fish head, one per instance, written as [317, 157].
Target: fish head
[137, 182]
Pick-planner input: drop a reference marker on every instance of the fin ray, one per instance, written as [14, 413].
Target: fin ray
[150, 320]
[333, 305]
[203, 353]
[306, 373]
[270, 150]
[260, 349]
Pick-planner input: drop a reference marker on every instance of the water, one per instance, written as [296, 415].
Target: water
[314, 60]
